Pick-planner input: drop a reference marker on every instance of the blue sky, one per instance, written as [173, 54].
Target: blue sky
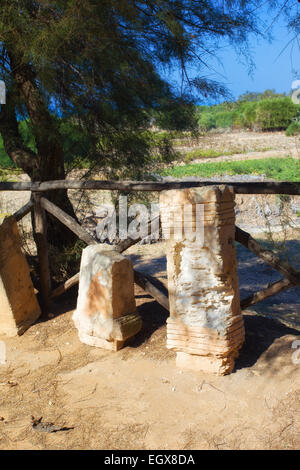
[275, 62]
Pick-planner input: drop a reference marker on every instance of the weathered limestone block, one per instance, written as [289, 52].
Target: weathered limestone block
[19, 307]
[205, 326]
[106, 312]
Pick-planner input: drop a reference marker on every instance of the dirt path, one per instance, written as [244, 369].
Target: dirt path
[246, 142]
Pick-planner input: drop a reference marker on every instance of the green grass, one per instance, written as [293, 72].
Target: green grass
[282, 169]
[209, 153]
[5, 161]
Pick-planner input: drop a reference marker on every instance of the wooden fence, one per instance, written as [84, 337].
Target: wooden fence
[39, 205]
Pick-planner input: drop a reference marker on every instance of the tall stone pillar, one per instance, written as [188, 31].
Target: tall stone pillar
[106, 312]
[19, 307]
[205, 326]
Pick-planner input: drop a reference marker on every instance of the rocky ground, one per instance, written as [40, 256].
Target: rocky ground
[244, 145]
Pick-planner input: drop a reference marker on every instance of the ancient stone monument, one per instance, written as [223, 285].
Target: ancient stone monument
[106, 312]
[205, 326]
[19, 307]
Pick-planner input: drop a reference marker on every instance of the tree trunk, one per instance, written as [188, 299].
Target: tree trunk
[48, 163]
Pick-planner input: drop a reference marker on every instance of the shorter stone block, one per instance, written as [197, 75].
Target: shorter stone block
[19, 307]
[106, 312]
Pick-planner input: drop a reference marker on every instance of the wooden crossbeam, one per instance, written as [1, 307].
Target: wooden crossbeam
[19, 214]
[263, 294]
[158, 292]
[153, 287]
[264, 187]
[288, 271]
[120, 248]
[62, 288]
[68, 221]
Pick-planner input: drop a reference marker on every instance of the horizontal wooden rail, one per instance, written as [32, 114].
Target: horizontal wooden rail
[266, 187]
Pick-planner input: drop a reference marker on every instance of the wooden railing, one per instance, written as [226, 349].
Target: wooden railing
[39, 205]
[268, 187]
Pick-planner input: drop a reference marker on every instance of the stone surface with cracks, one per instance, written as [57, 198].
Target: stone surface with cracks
[19, 307]
[106, 312]
[205, 326]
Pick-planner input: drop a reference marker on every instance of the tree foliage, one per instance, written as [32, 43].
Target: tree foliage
[98, 65]
[254, 96]
[100, 61]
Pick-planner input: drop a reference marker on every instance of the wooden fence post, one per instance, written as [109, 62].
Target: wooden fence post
[40, 236]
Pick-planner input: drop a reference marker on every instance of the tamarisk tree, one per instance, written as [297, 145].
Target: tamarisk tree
[99, 63]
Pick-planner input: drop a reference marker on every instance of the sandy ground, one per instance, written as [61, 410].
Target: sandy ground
[138, 399]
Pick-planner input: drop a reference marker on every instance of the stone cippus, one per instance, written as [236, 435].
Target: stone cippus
[205, 326]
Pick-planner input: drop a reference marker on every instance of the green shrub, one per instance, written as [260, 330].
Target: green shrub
[270, 111]
[275, 113]
[224, 119]
[249, 114]
[293, 129]
[206, 122]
